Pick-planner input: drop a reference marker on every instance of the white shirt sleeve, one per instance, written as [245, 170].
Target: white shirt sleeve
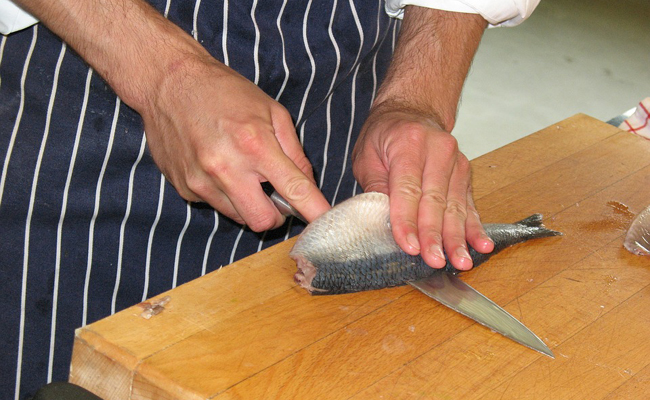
[13, 18]
[496, 12]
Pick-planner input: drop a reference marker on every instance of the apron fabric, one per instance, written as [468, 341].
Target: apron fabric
[89, 226]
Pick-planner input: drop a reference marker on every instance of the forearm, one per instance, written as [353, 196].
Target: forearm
[127, 42]
[431, 61]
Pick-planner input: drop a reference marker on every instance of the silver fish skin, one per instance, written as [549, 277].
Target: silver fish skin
[351, 248]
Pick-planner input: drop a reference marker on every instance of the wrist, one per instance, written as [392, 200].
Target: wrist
[431, 60]
[127, 42]
[421, 107]
[149, 52]
[142, 78]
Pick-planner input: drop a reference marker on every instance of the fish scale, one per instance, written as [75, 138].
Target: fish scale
[367, 274]
[351, 248]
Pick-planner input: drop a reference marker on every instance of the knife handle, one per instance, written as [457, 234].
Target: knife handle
[280, 203]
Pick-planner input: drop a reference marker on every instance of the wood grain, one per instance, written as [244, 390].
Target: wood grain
[247, 332]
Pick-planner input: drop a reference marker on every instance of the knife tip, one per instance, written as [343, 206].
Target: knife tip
[543, 348]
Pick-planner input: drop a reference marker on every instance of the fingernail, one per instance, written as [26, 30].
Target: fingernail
[413, 241]
[463, 253]
[437, 251]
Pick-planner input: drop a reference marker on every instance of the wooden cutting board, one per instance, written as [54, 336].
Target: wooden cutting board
[247, 332]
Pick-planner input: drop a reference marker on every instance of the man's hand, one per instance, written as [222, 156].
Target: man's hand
[409, 157]
[214, 134]
[405, 148]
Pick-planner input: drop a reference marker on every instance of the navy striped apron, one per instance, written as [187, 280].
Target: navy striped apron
[89, 226]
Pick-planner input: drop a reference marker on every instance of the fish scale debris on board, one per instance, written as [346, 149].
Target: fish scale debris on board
[351, 248]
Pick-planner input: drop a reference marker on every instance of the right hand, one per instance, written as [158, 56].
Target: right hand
[216, 136]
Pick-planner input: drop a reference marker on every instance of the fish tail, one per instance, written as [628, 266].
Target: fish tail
[535, 221]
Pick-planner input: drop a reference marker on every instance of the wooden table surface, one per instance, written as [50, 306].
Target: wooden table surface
[248, 332]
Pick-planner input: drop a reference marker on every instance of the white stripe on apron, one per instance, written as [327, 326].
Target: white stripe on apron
[110, 231]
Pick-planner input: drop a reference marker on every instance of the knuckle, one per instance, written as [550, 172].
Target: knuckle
[251, 139]
[181, 185]
[188, 195]
[418, 135]
[302, 162]
[410, 189]
[214, 167]
[196, 187]
[448, 144]
[297, 189]
[414, 132]
[435, 198]
[434, 236]
[456, 208]
[281, 113]
[375, 185]
[262, 222]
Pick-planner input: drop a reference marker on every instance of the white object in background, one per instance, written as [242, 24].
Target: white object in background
[639, 122]
[14, 18]
[496, 12]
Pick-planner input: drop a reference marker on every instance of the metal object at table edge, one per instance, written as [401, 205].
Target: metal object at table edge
[618, 120]
[449, 290]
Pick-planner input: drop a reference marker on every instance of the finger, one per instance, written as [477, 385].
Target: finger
[215, 197]
[475, 232]
[367, 164]
[252, 204]
[291, 173]
[370, 172]
[222, 204]
[286, 136]
[238, 196]
[436, 180]
[300, 191]
[453, 236]
[292, 184]
[405, 192]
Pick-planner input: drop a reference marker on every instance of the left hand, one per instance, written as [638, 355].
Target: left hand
[408, 156]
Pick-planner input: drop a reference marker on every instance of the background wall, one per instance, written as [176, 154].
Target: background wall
[575, 56]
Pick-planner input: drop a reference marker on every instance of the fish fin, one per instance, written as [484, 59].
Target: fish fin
[536, 221]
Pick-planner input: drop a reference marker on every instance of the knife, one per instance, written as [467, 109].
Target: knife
[447, 288]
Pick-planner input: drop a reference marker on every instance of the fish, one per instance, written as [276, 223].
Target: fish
[637, 238]
[351, 248]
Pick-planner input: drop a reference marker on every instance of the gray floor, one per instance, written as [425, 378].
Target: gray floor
[571, 56]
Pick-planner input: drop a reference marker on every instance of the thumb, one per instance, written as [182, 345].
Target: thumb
[371, 175]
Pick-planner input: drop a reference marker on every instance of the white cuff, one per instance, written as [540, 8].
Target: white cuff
[13, 18]
[496, 12]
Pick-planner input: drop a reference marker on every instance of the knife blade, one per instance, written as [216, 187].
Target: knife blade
[451, 291]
